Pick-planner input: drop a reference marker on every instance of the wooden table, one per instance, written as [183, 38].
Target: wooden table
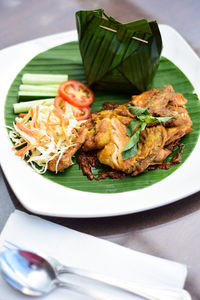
[171, 232]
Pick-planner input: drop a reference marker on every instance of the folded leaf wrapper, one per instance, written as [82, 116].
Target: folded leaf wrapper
[114, 60]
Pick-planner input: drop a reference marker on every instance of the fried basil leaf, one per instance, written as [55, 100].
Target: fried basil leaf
[132, 126]
[138, 111]
[135, 126]
[130, 153]
[164, 119]
[130, 149]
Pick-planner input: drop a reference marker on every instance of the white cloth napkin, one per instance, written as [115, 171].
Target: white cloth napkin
[86, 252]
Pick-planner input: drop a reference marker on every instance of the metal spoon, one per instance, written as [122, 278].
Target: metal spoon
[32, 275]
[37, 275]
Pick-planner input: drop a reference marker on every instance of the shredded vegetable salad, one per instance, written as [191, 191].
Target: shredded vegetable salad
[44, 133]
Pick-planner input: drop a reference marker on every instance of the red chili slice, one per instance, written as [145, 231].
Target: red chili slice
[76, 93]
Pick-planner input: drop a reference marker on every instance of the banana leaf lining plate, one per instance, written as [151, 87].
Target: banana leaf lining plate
[46, 197]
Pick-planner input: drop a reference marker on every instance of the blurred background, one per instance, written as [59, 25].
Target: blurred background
[22, 20]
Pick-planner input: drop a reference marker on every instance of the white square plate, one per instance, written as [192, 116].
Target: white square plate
[41, 196]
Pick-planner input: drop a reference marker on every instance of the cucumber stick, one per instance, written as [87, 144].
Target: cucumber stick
[39, 88]
[42, 79]
[27, 96]
[23, 107]
[29, 92]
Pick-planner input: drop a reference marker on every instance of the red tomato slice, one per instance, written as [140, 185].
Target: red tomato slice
[81, 113]
[60, 105]
[76, 93]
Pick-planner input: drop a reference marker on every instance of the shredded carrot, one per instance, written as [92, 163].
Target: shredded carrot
[48, 119]
[65, 121]
[65, 134]
[49, 115]
[18, 145]
[22, 115]
[31, 123]
[26, 118]
[58, 112]
[22, 151]
[21, 126]
[31, 112]
[40, 142]
[35, 123]
[54, 135]
[75, 132]
[53, 124]
[50, 130]
[37, 143]
[51, 133]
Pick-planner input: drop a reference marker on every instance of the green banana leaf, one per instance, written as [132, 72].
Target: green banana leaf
[114, 60]
[67, 59]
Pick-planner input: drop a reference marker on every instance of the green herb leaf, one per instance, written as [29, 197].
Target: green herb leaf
[164, 119]
[142, 119]
[132, 125]
[130, 149]
[130, 153]
[133, 140]
[144, 116]
[143, 126]
[138, 111]
[155, 119]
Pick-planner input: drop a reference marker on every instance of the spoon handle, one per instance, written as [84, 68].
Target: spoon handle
[89, 291]
[142, 290]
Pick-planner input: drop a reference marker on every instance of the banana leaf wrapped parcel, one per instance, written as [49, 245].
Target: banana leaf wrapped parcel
[116, 56]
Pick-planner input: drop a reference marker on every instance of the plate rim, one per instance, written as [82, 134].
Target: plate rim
[76, 211]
